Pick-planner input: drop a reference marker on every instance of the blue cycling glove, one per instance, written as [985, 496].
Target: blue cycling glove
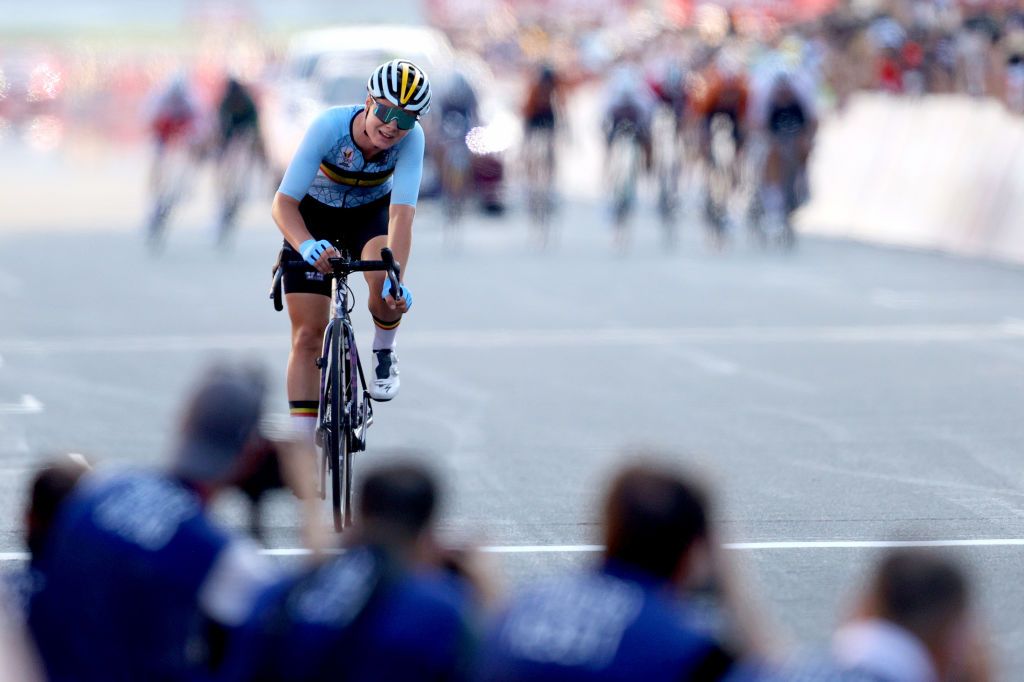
[403, 292]
[312, 249]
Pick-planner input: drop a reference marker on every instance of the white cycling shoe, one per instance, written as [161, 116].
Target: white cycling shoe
[384, 384]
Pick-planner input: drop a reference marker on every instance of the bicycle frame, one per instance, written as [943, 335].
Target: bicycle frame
[356, 388]
[344, 412]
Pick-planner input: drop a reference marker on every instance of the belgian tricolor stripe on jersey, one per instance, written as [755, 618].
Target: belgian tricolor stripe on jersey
[353, 178]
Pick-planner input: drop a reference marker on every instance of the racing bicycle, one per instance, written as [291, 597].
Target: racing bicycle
[344, 412]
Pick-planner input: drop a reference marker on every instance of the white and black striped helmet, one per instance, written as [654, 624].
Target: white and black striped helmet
[403, 84]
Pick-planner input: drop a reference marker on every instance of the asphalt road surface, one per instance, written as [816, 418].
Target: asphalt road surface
[837, 397]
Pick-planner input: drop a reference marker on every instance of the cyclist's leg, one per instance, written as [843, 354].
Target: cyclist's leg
[367, 240]
[385, 320]
[308, 315]
[307, 294]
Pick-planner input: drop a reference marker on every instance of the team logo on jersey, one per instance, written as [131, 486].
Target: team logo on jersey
[347, 154]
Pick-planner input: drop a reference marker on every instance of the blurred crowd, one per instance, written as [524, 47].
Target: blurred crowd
[508, 79]
[132, 577]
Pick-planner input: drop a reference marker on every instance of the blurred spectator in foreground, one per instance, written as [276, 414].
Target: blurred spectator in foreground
[914, 624]
[138, 579]
[630, 617]
[50, 487]
[392, 607]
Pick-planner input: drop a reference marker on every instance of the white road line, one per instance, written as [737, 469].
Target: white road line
[544, 338]
[27, 405]
[876, 544]
[738, 546]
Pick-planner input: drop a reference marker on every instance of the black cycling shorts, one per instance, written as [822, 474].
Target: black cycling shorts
[349, 229]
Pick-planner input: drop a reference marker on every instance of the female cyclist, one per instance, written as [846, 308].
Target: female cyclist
[353, 186]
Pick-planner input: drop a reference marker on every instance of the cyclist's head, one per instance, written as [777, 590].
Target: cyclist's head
[402, 84]
[398, 94]
[51, 485]
[653, 516]
[397, 503]
[220, 425]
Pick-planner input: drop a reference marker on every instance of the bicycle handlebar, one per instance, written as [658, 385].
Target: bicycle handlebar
[343, 267]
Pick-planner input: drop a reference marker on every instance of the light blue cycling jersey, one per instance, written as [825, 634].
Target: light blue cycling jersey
[329, 166]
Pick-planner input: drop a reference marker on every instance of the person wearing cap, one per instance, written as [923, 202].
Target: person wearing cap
[393, 606]
[135, 571]
[352, 186]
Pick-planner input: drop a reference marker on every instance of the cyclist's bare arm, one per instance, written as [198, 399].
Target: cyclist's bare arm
[285, 210]
[400, 233]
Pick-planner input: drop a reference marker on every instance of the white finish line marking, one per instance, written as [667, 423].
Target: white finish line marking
[741, 546]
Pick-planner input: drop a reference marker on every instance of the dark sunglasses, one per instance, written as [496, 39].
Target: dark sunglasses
[387, 114]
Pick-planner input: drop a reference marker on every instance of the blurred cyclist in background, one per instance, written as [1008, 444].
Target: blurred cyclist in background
[789, 122]
[237, 113]
[239, 150]
[629, 101]
[543, 111]
[174, 114]
[353, 186]
[459, 111]
[176, 123]
[390, 608]
[543, 114]
[138, 579]
[725, 92]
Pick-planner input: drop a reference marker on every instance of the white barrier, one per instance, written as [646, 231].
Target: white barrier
[943, 172]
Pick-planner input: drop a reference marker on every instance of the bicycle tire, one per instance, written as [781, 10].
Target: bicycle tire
[335, 436]
[348, 428]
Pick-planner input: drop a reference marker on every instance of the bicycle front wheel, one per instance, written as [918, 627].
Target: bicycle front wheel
[334, 433]
[350, 375]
